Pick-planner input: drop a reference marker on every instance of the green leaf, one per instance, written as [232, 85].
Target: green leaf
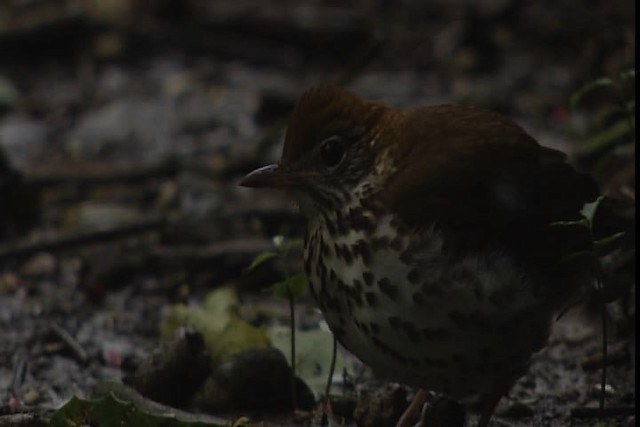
[606, 241]
[624, 150]
[579, 95]
[261, 258]
[313, 357]
[628, 74]
[284, 244]
[589, 209]
[579, 223]
[294, 243]
[112, 411]
[9, 95]
[607, 138]
[630, 106]
[577, 256]
[292, 287]
[627, 78]
[278, 240]
[225, 333]
[611, 114]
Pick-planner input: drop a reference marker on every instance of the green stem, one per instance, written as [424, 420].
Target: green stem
[603, 379]
[292, 314]
[332, 368]
[292, 321]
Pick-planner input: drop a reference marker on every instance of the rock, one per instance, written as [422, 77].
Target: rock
[9, 94]
[22, 138]
[124, 128]
[254, 380]
[174, 371]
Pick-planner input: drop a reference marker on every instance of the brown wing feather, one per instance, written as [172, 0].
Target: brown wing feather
[479, 174]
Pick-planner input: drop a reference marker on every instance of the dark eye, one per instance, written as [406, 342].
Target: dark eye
[332, 150]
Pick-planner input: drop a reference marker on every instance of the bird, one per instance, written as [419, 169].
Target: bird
[439, 239]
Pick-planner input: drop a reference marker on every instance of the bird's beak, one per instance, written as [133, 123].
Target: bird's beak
[273, 176]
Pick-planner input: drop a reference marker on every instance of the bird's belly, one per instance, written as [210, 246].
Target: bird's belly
[417, 317]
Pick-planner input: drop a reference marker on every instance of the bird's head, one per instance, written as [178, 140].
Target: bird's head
[329, 149]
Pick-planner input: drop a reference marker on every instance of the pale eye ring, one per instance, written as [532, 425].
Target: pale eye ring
[332, 151]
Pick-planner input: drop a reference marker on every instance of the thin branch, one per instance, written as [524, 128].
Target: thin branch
[57, 242]
[70, 342]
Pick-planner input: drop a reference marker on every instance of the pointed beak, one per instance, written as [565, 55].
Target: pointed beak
[273, 176]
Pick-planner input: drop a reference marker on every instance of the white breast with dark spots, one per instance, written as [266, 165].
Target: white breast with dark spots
[420, 318]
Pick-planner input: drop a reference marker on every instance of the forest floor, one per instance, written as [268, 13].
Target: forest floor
[125, 127]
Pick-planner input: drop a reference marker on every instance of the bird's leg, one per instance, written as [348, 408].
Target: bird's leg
[443, 412]
[411, 413]
[487, 413]
[490, 401]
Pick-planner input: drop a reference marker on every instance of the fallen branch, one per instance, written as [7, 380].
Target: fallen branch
[608, 412]
[71, 343]
[99, 173]
[57, 242]
[238, 247]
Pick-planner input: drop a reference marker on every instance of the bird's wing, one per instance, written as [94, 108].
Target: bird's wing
[480, 175]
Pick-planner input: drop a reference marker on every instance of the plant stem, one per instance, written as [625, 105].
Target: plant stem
[603, 379]
[332, 368]
[292, 314]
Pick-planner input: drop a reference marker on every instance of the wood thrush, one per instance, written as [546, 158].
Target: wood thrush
[433, 242]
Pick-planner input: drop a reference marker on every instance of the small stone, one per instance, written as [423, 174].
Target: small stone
[174, 371]
[91, 216]
[576, 333]
[595, 390]
[9, 94]
[257, 379]
[9, 282]
[22, 138]
[31, 397]
[40, 265]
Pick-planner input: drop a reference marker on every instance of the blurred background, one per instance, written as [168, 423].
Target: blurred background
[125, 126]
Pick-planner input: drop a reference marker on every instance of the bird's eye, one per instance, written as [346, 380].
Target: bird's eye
[332, 150]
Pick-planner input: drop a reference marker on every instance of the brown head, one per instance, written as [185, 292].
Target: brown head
[327, 149]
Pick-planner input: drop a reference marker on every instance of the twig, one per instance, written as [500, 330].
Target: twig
[19, 374]
[96, 174]
[617, 354]
[603, 379]
[292, 315]
[610, 412]
[27, 247]
[237, 247]
[70, 342]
